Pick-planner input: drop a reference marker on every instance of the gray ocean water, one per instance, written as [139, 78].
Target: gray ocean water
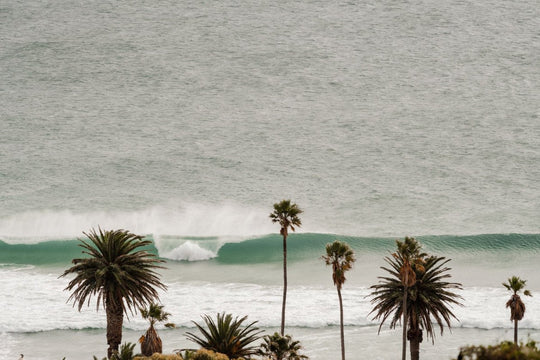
[377, 117]
[187, 120]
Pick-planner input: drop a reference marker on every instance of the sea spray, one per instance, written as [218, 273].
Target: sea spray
[186, 220]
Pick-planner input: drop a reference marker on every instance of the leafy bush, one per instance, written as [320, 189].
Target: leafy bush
[158, 356]
[277, 347]
[506, 350]
[227, 336]
[204, 354]
[125, 353]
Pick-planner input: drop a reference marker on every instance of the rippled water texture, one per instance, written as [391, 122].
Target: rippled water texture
[378, 118]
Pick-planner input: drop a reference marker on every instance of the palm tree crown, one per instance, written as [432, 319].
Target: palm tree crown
[428, 300]
[119, 272]
[116, 269]
[155, 314]
[411, 259]
[286, 214]
[341, 257]
[516, 305]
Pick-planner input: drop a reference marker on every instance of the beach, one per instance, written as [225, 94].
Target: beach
[319, 344]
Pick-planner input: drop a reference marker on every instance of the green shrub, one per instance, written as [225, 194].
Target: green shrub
[227, 335]
[277, 347]
[204, 354]
[158, 356]
[506, 350]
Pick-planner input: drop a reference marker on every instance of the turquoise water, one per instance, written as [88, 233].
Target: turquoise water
[185, 121]
[268, 249]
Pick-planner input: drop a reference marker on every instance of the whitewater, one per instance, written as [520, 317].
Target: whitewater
[186, 121]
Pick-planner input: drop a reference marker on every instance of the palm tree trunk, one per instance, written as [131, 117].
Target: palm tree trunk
[404, 345]
[152, 342]
[284, 285]
[115, 318]
[341, 324]
[414, 335]
[515, 332]
[415, 348]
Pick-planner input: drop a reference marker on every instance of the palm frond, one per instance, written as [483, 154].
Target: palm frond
[341, 257]
[287, 215]
[429, 300]
[116, 269]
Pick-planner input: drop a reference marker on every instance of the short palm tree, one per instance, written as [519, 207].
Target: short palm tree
[341, 257]
[119, 273]
[150, 341]
[428, 301]
[227, 336]
[287, 215]
[516, 305]
[277, 347]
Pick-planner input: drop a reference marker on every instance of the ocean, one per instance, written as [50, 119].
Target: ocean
[185, 121]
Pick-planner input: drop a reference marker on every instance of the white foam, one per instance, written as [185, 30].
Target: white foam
[28, 292]
[189, 251]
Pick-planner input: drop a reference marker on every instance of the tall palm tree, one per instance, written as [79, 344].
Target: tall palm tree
[428, 301]
[150, 341]
[119, 273]
[411, 259]
[286, 214]
[516, 305]
[341, 257]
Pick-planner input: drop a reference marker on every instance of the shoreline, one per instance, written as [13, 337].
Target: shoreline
[318, 343]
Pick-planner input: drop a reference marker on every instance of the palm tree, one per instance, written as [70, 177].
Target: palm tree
[226, 336]
[119, 273]
[286, 214]
[411, 259]
[517, 307]
[341, 257]
[150, 341]
[427, 301]
[277, 347]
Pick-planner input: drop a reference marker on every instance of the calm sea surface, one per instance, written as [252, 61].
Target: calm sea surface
[186, 120]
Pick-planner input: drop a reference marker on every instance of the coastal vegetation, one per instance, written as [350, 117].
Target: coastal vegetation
[286, 214]
[425, 295]
[226, 335]
[416, 292]
[277, 347]
[516, 305]
[505, 350]
[341, 257]
[150, 341]
[119, 272]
